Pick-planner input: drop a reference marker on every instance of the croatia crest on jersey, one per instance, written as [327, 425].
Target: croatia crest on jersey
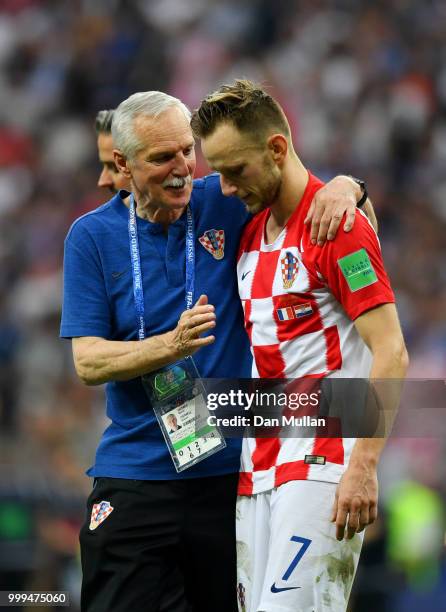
[99, 513]
[289, 265]
[214, 242]
[241, 597]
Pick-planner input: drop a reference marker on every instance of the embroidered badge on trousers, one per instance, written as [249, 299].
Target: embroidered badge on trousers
[289, 264]
[214, 242]
[241, 596]
[99, 513]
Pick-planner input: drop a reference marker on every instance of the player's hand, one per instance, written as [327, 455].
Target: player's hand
[187, 338]
[356, 501]
[330, 203]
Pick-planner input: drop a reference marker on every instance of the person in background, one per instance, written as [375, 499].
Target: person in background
[110, 177]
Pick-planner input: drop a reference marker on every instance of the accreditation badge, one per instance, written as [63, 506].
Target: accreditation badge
[178, 398]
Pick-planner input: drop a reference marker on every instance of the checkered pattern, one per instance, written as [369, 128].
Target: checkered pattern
[289, 266]
[214, 242]
[291, 276]
[99, 513]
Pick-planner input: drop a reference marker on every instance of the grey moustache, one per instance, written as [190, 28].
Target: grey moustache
[178, 182]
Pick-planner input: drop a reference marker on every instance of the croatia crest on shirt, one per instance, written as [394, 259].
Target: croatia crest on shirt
[214, 242]
[290, 265]
[99, 513]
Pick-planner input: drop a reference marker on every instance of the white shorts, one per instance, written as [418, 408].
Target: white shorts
[288, 558]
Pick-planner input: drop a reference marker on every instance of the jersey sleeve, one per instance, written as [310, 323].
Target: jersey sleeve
[85, 309]
[353, 268]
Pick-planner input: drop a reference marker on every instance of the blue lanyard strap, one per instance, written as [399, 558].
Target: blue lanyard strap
[190, 258]
[138, 293]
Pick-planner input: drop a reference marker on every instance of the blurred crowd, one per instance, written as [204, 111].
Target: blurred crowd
[364, 84]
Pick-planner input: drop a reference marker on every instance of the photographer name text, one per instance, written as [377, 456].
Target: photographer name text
[258, 420]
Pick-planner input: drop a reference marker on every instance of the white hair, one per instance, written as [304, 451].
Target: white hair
[146, 103]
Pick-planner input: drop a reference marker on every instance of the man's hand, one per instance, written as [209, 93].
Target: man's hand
[356, 501]
[186, 337]
[329, 204]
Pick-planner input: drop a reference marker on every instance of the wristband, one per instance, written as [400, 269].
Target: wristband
[363, 186]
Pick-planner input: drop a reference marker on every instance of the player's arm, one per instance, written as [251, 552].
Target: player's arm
[98, 360]
[338, 197]
[356, 499]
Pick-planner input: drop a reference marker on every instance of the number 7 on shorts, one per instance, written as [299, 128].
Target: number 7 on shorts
[305, 544]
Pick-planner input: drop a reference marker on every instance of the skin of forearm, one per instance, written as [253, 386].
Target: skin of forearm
[370, 212]
[106, 360]
[388, 363]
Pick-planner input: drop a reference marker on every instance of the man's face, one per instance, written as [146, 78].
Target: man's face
[172, 421]
[246, 168]
[163, 170]
[110, 177]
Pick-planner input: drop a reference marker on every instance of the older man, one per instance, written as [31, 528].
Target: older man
[309, 312]
[130, 283]
[173, 599]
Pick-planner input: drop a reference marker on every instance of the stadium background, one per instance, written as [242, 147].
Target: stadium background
[364, 84]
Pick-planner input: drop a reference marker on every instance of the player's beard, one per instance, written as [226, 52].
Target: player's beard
[266, 192]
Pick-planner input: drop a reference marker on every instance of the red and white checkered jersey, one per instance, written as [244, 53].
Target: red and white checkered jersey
[299, 304]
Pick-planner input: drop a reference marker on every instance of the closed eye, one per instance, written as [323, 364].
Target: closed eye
[236, 171]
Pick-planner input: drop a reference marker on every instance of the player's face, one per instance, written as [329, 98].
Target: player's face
[163, 170]
[110, 177]
[246, 168]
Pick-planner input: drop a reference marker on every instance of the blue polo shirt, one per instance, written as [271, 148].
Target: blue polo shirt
[98, 301]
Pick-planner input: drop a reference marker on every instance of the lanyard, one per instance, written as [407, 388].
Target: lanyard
[138, 293]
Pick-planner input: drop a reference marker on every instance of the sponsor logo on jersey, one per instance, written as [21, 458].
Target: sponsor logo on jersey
[315, 459]
[357, 270]
[99, 513]
[116, 275]
[275, 589]
[214, 242]
[294, 312]
[289, 265]
[245, 274]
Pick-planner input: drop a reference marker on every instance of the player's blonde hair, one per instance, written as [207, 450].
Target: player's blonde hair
[244, 104]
